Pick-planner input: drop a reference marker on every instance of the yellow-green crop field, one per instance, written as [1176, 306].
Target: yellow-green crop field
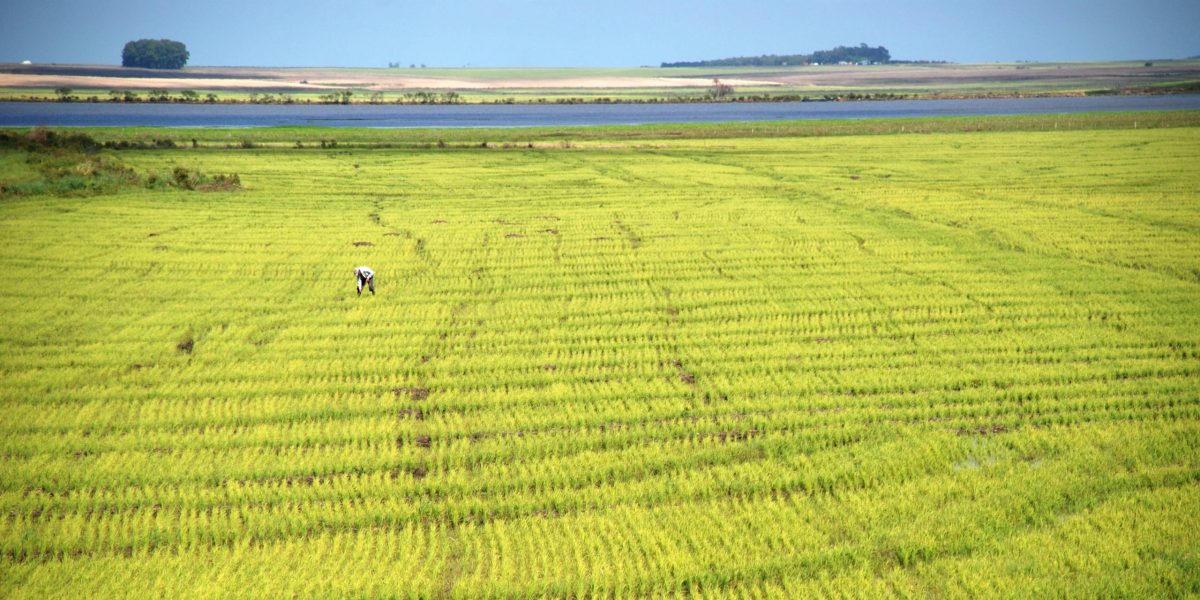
[924, 365]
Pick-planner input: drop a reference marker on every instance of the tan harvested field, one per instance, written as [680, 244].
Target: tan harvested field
[1083, 76]
[912, 79]
[312, 79]
[360, 82]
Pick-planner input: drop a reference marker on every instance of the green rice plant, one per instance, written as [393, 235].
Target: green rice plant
[784, 365]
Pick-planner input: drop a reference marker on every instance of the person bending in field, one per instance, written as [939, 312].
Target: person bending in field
[367, 276]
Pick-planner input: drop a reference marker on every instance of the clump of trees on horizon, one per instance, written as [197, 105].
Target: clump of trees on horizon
[841, 54]
[154, 54]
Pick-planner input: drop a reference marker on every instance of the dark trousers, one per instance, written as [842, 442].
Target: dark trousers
[370, 281]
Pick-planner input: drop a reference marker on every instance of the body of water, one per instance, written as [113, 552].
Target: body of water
[57, 114]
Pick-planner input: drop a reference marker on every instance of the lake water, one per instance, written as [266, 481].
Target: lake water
[56, 114]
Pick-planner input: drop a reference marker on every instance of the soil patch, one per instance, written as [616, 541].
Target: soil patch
[684, 375]
[983, 430]
[415, 393]
[411, 413]
[737, 435]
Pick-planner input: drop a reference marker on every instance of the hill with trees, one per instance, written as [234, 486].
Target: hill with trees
[154, 54]
[841, 54]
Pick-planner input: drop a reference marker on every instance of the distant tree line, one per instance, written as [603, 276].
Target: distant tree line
[154, 54]
[842, 54]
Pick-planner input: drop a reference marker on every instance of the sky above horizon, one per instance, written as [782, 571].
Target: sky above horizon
[614, 33]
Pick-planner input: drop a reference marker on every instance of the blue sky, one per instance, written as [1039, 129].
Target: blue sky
[524, 33]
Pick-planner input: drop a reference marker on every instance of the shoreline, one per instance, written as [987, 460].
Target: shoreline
[757, 99]
[312, 137]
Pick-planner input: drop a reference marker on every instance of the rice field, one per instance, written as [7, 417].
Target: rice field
[948, 364]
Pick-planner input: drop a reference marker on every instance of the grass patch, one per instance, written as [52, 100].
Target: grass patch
[73, 163]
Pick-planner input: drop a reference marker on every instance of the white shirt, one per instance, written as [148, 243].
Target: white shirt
[364, 272]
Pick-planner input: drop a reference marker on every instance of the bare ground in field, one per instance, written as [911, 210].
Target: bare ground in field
[930, 77]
